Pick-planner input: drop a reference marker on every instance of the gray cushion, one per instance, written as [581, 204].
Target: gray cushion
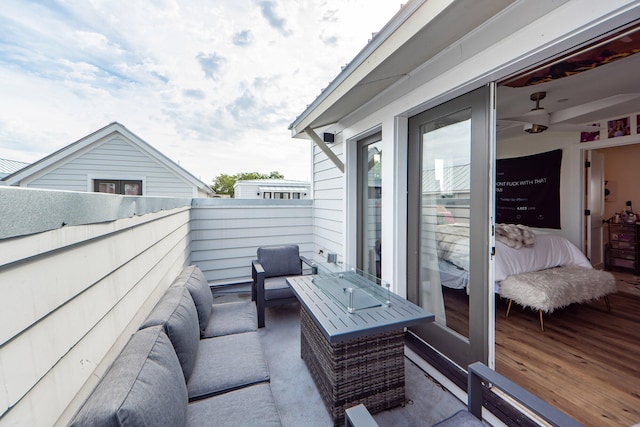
[177, 313]
[280, 260]
[251, 406]
[201, 294]
[232, 318]
[143, 387]
[277, 288]
[227, 363]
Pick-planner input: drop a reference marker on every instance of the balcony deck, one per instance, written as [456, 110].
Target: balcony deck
[299, 401]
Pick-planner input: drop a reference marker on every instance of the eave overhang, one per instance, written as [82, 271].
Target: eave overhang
[418, 32]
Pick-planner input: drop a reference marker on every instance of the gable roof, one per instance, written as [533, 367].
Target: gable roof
[95, 137]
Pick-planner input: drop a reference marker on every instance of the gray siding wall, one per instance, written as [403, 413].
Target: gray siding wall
[115, 159]
[226, 233]
[328, 195]
[71, 297]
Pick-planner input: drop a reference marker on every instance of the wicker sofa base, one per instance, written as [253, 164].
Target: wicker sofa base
[367, 370]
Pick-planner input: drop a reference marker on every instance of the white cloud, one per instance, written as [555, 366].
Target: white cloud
[211, 84]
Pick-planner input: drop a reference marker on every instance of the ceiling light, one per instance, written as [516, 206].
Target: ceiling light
[534, 128]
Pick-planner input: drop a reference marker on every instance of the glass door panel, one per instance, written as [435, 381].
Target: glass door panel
[370, 205]
[448, 222]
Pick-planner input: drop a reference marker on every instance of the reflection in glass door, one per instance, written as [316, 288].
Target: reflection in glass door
[370, 205]
[449, 214]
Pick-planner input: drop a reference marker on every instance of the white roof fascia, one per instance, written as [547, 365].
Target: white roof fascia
[57, 156]
[166, 161]
[406, 22]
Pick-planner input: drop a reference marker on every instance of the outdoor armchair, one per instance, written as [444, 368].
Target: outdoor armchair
[269, 272]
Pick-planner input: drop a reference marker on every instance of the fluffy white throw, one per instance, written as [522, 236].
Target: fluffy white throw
[515, 235]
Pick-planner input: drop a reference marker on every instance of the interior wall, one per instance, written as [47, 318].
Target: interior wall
[623, 177]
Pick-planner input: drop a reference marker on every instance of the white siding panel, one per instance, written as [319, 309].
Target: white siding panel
[70, 299]
[115, 159]
[329, 193]
[226, 233]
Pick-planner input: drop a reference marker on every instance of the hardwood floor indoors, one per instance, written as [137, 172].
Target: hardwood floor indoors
[587, 360]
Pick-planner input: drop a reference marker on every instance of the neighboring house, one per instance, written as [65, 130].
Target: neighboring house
[7, 167]
[444, 90]
[271, 189]
[110, 160]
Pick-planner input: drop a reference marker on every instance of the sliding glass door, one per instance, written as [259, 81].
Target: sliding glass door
[449, 222]
[370, 205]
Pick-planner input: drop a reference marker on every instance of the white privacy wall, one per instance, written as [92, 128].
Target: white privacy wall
[226, 233]
[71, 297]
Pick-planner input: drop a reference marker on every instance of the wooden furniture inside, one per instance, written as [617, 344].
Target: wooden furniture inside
[624, 250]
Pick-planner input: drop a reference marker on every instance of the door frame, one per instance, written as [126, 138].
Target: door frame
[480, 344]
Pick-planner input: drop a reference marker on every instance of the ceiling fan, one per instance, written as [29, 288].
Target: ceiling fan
[538, 119]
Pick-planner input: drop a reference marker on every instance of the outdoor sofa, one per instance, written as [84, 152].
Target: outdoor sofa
[190, 363]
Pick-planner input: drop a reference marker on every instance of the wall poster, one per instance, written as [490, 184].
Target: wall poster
[528, 190]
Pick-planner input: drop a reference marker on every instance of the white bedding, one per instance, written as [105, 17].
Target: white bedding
[549, 250]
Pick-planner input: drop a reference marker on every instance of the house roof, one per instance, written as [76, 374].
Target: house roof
[7, 167]
[419, 33]
[93, 138]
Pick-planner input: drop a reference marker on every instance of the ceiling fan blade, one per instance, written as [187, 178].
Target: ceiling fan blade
[539, 117]
[503, 125]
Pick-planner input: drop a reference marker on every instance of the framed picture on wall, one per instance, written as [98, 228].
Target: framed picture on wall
[590, 136]
[619, 127]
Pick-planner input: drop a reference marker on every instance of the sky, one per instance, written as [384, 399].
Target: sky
[212, 84]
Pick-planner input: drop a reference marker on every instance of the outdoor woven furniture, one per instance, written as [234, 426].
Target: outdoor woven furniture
[269, 273]
[354, 357]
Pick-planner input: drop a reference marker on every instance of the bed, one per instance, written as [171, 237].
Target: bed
[544, 273]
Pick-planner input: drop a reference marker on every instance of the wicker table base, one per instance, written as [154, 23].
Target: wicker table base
[367, 370]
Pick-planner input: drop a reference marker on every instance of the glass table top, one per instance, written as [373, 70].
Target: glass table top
[350, 287]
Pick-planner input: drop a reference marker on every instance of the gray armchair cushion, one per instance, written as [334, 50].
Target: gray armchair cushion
[277, 288]
[280, 260]
[231, 318]
[201, 294]
[143, 387]
[250, 406]
[176, 312]
[227, 363]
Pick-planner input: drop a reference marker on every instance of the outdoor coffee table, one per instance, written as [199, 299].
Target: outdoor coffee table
[352, 338]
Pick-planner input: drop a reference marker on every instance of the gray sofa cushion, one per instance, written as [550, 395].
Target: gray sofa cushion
[277, 288]
[201, 294]
[280, 260]
[176, 312]
[232, 318]
[227, 363]
[250, 406]
[143, 387]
